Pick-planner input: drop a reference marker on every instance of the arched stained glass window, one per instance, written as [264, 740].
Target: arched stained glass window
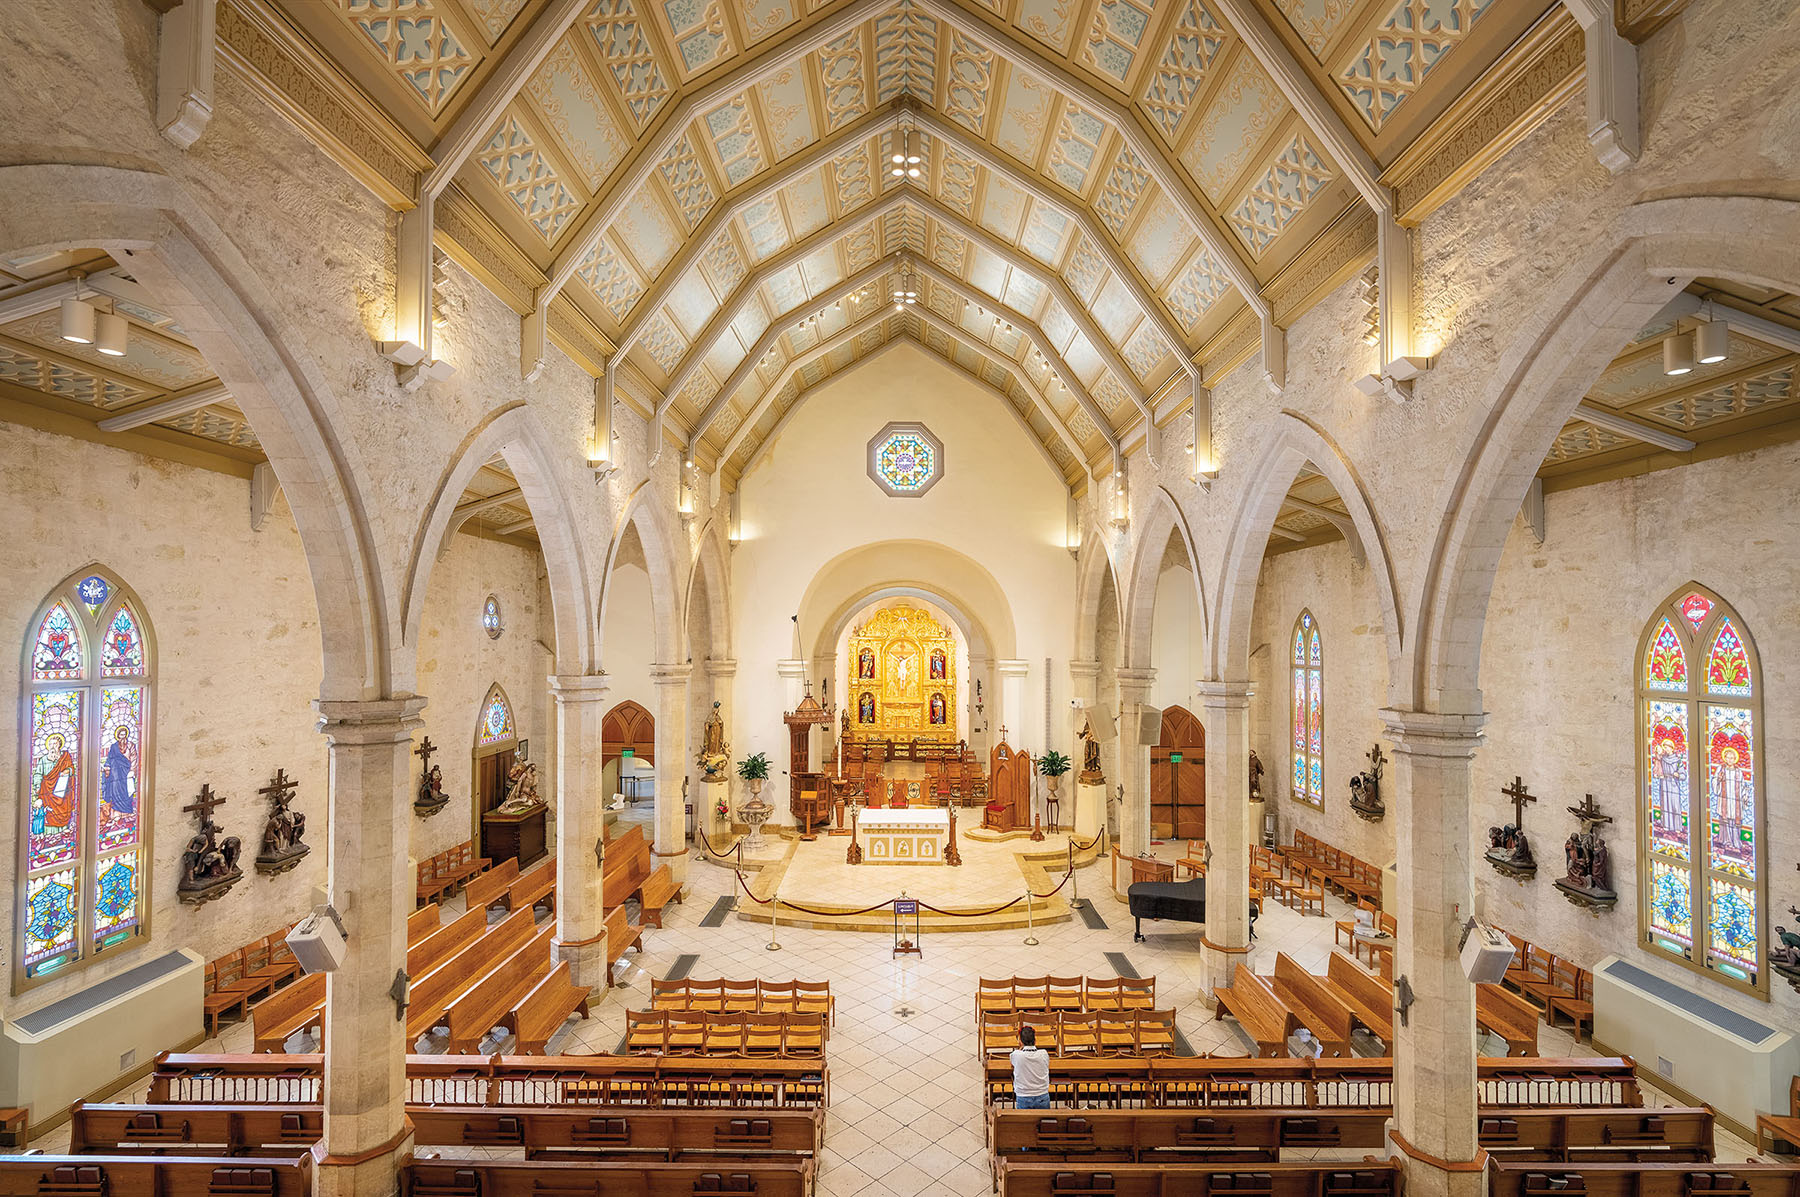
[1699, 719]
[1307, 660]
[86, 800]
[496, 718]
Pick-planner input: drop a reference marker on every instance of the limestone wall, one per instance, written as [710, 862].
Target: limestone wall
[238, 666]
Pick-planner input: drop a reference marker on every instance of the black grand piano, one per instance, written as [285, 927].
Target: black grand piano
[1179, 901]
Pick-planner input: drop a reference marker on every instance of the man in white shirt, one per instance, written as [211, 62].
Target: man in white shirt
[1031, 1073]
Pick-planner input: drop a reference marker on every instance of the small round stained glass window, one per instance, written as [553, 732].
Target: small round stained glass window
[905, 460]
[490, 617]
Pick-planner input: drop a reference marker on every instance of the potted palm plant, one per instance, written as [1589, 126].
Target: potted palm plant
[1053, 765]
[755, 770]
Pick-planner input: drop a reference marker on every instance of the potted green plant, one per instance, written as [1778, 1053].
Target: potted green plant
[1053, 765]
[755, 770]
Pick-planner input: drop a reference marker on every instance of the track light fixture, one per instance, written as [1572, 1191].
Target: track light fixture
[78, 321]
[1712, 341]
[1678, 354]
[112, 334]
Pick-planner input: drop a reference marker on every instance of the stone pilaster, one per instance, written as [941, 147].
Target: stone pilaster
[1134, 769]
[1013, 715]
[1434, 1127]
[671, 681]
[366, 1129]
[580, 825]
[1229, 833]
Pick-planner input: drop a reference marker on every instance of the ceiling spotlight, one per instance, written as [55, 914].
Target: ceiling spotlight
[1678, 354]
[113, 331]
[1712, 341]
[78, 319]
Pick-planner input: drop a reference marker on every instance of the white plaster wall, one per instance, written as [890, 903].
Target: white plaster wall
[458, 661]
[810, 499]
[630, 646]
[1176, 646]
[1342, 599]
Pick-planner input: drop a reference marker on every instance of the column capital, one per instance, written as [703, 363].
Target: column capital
[1429, 733]
[1012, 667]
[1134, 684]
[573, 688]
[1225, 696]
[674, 673]
[722, 667]
[370, 721]
[791, 667]
[1083, 671]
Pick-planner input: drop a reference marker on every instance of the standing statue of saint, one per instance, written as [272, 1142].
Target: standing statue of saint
[1090, 774]
[715, 755]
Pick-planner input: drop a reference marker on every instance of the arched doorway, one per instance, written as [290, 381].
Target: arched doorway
[1178, 777]
[627, 738]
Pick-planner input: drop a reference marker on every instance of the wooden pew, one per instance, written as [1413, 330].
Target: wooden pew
[1511, 1017]
[429, 996]
[535, 1178]
[1371, 1178]
[450, 938]
[622, 1131]
[490, 1002]
[163, 1176]
[541, 1015]
[1635, 1135]
[1141, 1134]
[1258, 1011]
[1314, 1005]
[288, 1011]
[621, 933]
[1507, 1179]
[423, 922]
[533, 889]
[658, 890]
[627, 873]
[194, 1130]
[1775, 1127]
[1369, 997]
[488, 888]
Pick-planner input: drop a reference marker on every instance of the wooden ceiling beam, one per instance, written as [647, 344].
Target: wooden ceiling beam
[180, 404]
[1624, 425]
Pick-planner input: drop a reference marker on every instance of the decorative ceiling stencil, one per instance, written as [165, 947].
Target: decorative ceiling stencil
[1582, 440]
[1084, 270]
[615, 286]
[647, 232]
[1316, 21]
[1181, 72]
[495, 16]
[905, 53]
[156, 360]
[1160, 241]
[627, 53]
[1049, 21]
[854, 178]
[698, 32]
[417, 43]
[226, 425]
[57, 378]
[1738, 398]
[956, 181]
[687, 182]
[807, 210]
[1412, 39]
[1025, 115]
[1638, 375]
[763, 18]
[734, 139]
[1076, 148]
[841, 80]
[971, 80]
[1236, 123]
[664, 345]
[1280, 195]
[1198, 288]
[949, 251]
[723, 264]
[1145, 350]
[1119, 196]
[527, 177]
[1045, 228]
[786, 111]
[573, 109]
[1114, 36]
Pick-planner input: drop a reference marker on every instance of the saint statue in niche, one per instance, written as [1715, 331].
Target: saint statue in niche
[865, 708]
[865, 665]
[118, 780]
[937, 708]
[938, 665]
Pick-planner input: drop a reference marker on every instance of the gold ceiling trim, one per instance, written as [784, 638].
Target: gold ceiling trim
[1511, 99]
[1345, 247]
[52, 413]
[466, 233]
[1638, 19]
[571, 331]
[1232, 346]
[305, 87]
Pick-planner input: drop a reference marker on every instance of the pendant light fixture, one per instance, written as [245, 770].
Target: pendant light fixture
[1678, 354]
[112, 333]
[1712, 341]
[906, 287]
[905, 161]
[78, 321]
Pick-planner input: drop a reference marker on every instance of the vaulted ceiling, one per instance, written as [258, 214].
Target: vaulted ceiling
[1118, 179]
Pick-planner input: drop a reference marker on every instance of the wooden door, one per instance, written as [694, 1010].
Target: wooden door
[490, 784]
[628, 725]
[1178, 777]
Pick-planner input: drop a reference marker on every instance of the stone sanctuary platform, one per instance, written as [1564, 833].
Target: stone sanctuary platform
[996, 868]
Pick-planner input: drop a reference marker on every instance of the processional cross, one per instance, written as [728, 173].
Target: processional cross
[1520, 795]
[424, 752]
[204, 804]
[1589, 814]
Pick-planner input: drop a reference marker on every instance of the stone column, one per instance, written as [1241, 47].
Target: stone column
[721, 674]
[366, 1129]
[1226, 941]
[1089, 811]
[1434, 1126]
[1134, 769]
[671, 682]
[580, 825]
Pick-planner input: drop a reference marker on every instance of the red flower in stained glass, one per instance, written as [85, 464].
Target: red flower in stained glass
[1666, 666]
[1728, 665]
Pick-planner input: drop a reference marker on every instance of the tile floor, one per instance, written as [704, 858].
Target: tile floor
[906, 1116]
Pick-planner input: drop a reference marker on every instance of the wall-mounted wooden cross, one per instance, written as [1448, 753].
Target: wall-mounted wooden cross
[280, 788]
[204, 805]
[1520, 795]
[423, 752]
[1376, 761]
[1589, 814]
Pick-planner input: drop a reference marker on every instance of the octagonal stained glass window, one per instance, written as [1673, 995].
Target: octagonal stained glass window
[906, 460]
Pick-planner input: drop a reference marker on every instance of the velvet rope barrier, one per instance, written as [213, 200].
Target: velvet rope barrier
[954, 914]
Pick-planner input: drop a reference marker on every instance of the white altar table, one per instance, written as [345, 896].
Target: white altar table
[911, 836]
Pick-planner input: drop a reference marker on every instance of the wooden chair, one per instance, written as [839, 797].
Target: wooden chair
[1346, 928]
[1309, 893]
[1578, 1006]
[1509, 1016]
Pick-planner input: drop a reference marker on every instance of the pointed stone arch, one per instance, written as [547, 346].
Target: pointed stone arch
[1163, 520]
[1295, 443]
[1599, 303]
[514, 432]
[709, 579]
[641, 513]
[149, 223]
[1094, 569]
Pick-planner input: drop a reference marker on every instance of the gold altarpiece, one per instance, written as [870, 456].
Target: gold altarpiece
[902, 682]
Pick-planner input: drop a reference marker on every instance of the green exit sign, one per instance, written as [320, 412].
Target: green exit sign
[1174, 758]
[627, 752]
